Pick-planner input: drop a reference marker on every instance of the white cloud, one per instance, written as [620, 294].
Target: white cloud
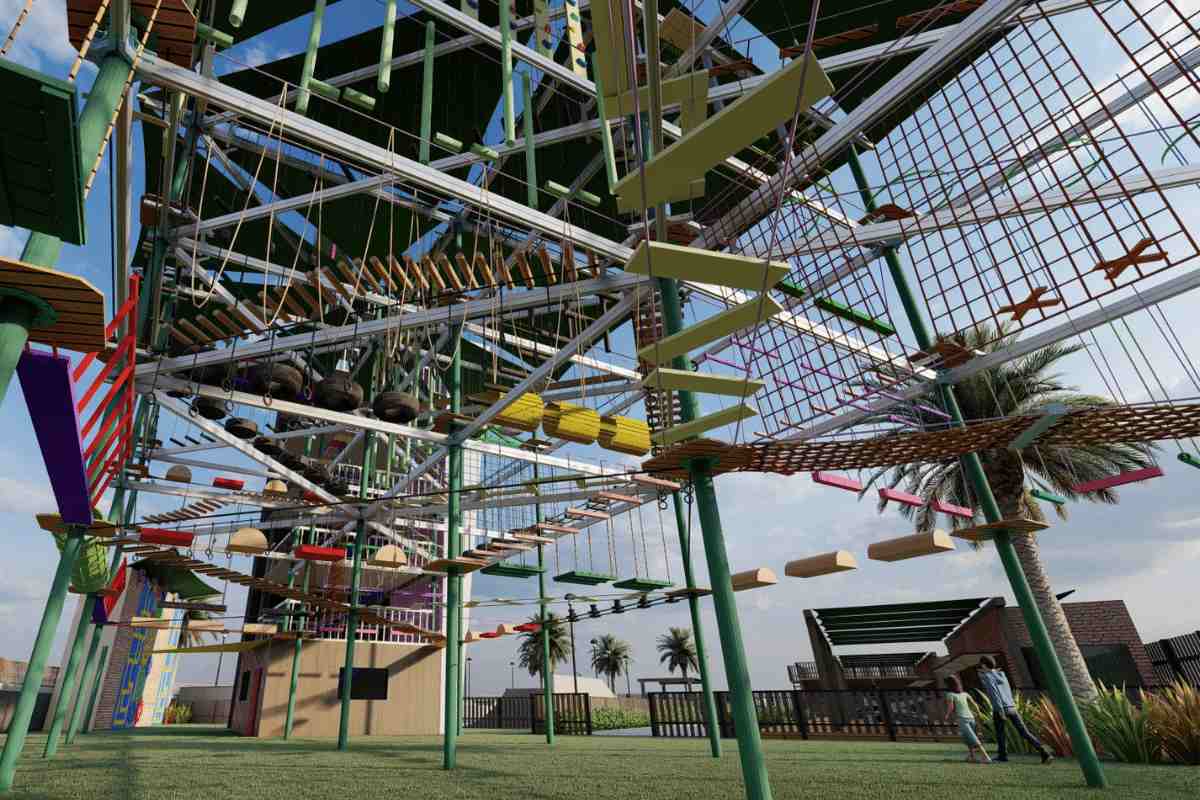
[42, 42]
[19, 496]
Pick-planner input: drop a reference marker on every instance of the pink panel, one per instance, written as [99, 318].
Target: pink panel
[953, 510]
[1118, 480]
[837, 481]
[901, 497]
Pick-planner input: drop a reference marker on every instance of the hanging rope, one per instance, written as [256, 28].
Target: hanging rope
[12, 35]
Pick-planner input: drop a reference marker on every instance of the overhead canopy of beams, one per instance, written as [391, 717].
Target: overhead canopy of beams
[895, 623]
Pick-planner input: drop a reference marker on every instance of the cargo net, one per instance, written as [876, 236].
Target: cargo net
[1039, 190]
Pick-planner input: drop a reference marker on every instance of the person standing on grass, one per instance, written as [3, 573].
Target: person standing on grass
[958, 705]
[1004, 708]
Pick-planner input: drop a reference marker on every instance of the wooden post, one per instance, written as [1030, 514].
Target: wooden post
[886, 710]
[801, 712]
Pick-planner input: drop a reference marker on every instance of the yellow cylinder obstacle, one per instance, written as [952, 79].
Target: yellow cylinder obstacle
[573, 423]
[524, 414]
[624, 435]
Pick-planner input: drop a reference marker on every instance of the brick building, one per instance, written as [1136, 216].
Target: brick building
[969, 629]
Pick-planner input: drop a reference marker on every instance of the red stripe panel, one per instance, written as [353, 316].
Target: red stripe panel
[311, 552]
[164, 536]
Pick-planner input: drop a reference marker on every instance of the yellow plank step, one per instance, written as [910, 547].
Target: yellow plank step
[667, 260]
[710, 330]
[734, 128]
[706, 423]
[689, 92]
[663, 379]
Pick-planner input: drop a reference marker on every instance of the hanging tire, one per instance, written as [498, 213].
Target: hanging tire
[338, 392]
[277, 380]
[267, 446]
[241, 427]
[315, 474]
[290, 460]
[399, 407]
[209, 408]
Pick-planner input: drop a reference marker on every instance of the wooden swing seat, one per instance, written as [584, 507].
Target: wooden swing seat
[1133, 476]
[926, 543]
[584, 578]
[753, 579]
[987, 531]
[824, 564]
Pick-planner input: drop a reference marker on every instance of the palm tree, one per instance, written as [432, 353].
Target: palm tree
[677, 650]
[609, 655]
[529, 652]
[1019, 387]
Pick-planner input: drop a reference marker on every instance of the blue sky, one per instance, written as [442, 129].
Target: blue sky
[1145, 551]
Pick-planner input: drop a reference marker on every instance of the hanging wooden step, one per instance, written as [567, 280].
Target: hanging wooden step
[664, 379]
[71, 311]
[836, 481]
[503, 570]
[455, 566]
[753, 579]
[642, 584]
[706, 423]
[987, 531]
[926, 543]
[1133, 476]
[824, 564]
[584, 577]
[665, 260]
[709, 330]
[671, 176]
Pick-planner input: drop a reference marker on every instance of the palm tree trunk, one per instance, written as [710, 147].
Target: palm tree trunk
[1007, 477]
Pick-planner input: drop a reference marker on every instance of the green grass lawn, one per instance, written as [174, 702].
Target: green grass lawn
[203, 762]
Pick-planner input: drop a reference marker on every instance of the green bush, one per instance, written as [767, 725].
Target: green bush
[177, 714]
[1120, 729]
[611, 719]
[1174, 714]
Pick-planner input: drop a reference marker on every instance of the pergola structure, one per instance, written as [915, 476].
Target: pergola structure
[436, 289]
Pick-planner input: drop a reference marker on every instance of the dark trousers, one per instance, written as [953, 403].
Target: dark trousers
[1012, 716]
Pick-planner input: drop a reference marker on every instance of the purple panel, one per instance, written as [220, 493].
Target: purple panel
[50, 396]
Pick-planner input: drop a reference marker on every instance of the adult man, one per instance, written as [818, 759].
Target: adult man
[1004, 707]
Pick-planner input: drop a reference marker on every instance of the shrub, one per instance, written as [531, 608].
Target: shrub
[1048, 725]
[1174, 715]
[611, 719]
[177, 714]
[1120, 729]
[981, 707]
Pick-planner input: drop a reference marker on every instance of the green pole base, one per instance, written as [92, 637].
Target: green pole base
[18, 726]
[67, 680]
[89, 672]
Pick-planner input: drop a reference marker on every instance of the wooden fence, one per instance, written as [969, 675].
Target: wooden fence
[572, 713]
[1177, 658]
[893, 714]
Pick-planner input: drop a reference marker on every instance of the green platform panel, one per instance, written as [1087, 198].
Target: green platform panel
[584, 578]
[41, 184]
[642, 584]
[503, 570]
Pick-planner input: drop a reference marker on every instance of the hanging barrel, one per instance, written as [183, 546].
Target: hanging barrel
[571, 422]
[389, 556]
[250, 541]
[275, 486]
[624, 435]
[91, 569]
[179, 473]
[524, 414]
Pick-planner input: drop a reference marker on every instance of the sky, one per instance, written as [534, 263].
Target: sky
[1145, 550]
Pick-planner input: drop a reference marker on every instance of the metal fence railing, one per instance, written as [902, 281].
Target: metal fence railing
[796, 714]
[572, 713]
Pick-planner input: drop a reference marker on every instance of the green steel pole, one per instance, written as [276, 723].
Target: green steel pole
[67, 679]
[427, 94]
[531, 182]
[453, 581]
[16, 318]
[547, 667]
[384, 83]
[89, 670]
[310, 57]
[18, 726]
[709, 703]
[1057, 681]
[87, 718]
[295, 678]
[237, 13]
[360, 546]
[506, 69]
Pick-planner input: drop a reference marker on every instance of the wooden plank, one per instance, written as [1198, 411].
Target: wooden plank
[709, 330]
[466, 270]
[526, 272]
[925, 543]
[547, 265]
[823, 564]
[381, 272]
[666, 260]
[664, 379]
[708, 422]
[500, 268]
[396, 270]
[431, 271]
[417, 275]
[670, 174]
[753, 579]
[449, 272]
[485, 270]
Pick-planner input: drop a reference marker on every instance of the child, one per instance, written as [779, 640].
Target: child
[956, 703]
[1004, 709]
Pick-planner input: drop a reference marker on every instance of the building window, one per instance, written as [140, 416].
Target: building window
[244, 688]
[369, 683]
[1110, 664]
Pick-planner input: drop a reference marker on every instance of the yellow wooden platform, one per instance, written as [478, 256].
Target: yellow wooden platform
[78, 304]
